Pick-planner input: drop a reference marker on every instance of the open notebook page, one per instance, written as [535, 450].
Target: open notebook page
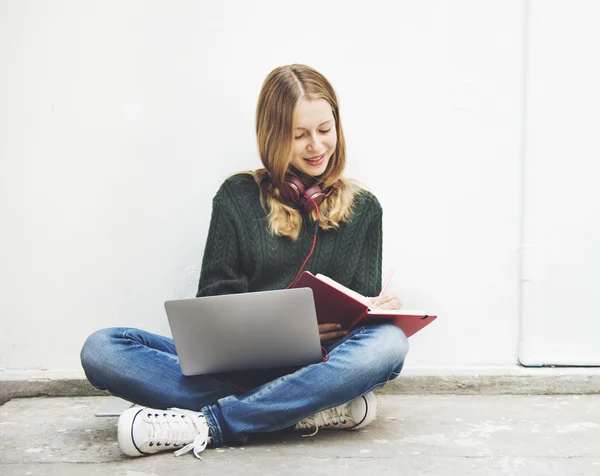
[365, 300]
[344, 289]
[398, 312]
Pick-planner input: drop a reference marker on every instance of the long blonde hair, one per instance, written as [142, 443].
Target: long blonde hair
[280, 93]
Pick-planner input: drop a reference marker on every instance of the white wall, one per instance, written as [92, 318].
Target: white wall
[119, 120]
[562, 164]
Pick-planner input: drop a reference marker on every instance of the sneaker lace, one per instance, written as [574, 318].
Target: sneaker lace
[187, 429]
[331, 416]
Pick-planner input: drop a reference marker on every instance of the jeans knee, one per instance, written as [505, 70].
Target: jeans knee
[399, 343]
[95, 350]
[390, 348]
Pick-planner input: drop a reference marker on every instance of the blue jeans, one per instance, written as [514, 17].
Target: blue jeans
[143, 368]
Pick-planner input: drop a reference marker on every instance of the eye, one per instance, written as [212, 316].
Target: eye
[321, 131]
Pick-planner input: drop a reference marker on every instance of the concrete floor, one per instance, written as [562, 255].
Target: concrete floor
[413, 435]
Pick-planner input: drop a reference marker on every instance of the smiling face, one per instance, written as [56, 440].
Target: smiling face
[314, 136]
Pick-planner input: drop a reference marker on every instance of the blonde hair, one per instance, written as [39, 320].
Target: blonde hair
[279, 95]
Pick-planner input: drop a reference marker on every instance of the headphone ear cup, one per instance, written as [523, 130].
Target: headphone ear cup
[292, 189]
[316, 194]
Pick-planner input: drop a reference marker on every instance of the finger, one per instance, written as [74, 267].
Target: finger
[393, 304]
[381, 300]
[387, 298]
[329, 327]
[332, 335]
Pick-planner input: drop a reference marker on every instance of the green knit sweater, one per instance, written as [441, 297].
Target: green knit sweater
[241, 255]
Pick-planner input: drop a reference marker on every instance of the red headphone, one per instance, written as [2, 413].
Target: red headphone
[306, 199]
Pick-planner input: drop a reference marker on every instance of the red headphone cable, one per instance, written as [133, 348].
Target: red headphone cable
[313, 243]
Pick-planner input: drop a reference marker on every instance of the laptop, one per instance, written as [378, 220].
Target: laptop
[248, 331]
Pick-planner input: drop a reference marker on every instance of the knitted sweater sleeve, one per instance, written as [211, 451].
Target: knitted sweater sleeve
[367, 280]
[220, 272]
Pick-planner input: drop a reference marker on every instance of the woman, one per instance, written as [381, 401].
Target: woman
[262, 234]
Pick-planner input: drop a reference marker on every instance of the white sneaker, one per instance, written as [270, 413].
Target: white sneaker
[143, 431]
[353, 415]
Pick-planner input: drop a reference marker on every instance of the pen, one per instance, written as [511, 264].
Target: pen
[387, 281]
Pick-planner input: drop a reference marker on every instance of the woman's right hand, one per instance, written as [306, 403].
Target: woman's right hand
[331, 332]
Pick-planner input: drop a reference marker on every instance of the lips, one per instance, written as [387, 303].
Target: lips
[315, 161]
[315, 157]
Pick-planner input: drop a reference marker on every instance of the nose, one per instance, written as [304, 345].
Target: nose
[313, 143]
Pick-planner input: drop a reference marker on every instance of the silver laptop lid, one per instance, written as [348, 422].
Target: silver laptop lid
[248, 331]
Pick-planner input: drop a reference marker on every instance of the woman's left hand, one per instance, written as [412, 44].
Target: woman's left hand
[389, 301]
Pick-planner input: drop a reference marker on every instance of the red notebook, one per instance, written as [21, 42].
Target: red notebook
[336, 303]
